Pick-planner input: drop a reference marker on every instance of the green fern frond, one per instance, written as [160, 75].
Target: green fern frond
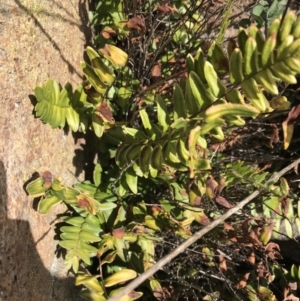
[57, 106]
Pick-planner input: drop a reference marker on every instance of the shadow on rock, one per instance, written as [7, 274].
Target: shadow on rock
[22, 273]
[85, 154]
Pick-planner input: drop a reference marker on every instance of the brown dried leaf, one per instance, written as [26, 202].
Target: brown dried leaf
[140, 102]
[183, 192]
[275, 133]
[168, 292]
[105, 50]
[233, 238]
[294, 115]
[272, 251]
[135, 39]
[108, 32]
[156, 73]
[134, 294]
[291, 297]
[166, 9]
[118, 233]
[246, 226]
[254, 239]
[272, 246]
[86, 203]
[293, 286]
[288, 125]
[223, 202]
[286, 291]
[172, 60]
[211, 186]
[215, 146]
[251, 258]
[219, 189]
[266, 166]
[104, 111]
[48, 177]
[156, 70]
[83, 203]
[159, 295]
[197, 201]
[156, 210]
[222, 263]
[115, 55]
[139, 229]
[243, 282]
[105, 34]
[228, 227]
[285, 205]
[136, 23]
[204, 220]
[261, 270]
[164, 87]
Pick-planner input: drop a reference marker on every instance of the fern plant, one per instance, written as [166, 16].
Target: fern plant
[155, 169]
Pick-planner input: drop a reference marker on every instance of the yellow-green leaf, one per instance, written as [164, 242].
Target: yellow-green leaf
[133, 295]
[179, 102]
[162, 113]
[251, 57]
[46, 203]
[236, 67]
[93, 78]
[89, 282]
[103, 72]
[288, 130]
[131, 180]
[88, 236]
[217, 88]
[217, 111]
[192, 141]
[199, 91]
[98, 125]
[68, 244]
[120, 277]
[84, 256]
[92, 296]
[115, 55]
[267, 56]
[36, 188]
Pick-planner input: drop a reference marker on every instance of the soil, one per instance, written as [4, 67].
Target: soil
[39, 40]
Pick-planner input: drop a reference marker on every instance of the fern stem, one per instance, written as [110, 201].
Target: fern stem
[225, 22]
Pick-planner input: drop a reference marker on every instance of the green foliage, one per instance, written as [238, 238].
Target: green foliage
[87, 104]
[264, 13]
[156, 166]
[58, 106]
[267, 11]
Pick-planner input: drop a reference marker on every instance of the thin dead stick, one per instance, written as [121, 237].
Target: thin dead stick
[161, 263]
